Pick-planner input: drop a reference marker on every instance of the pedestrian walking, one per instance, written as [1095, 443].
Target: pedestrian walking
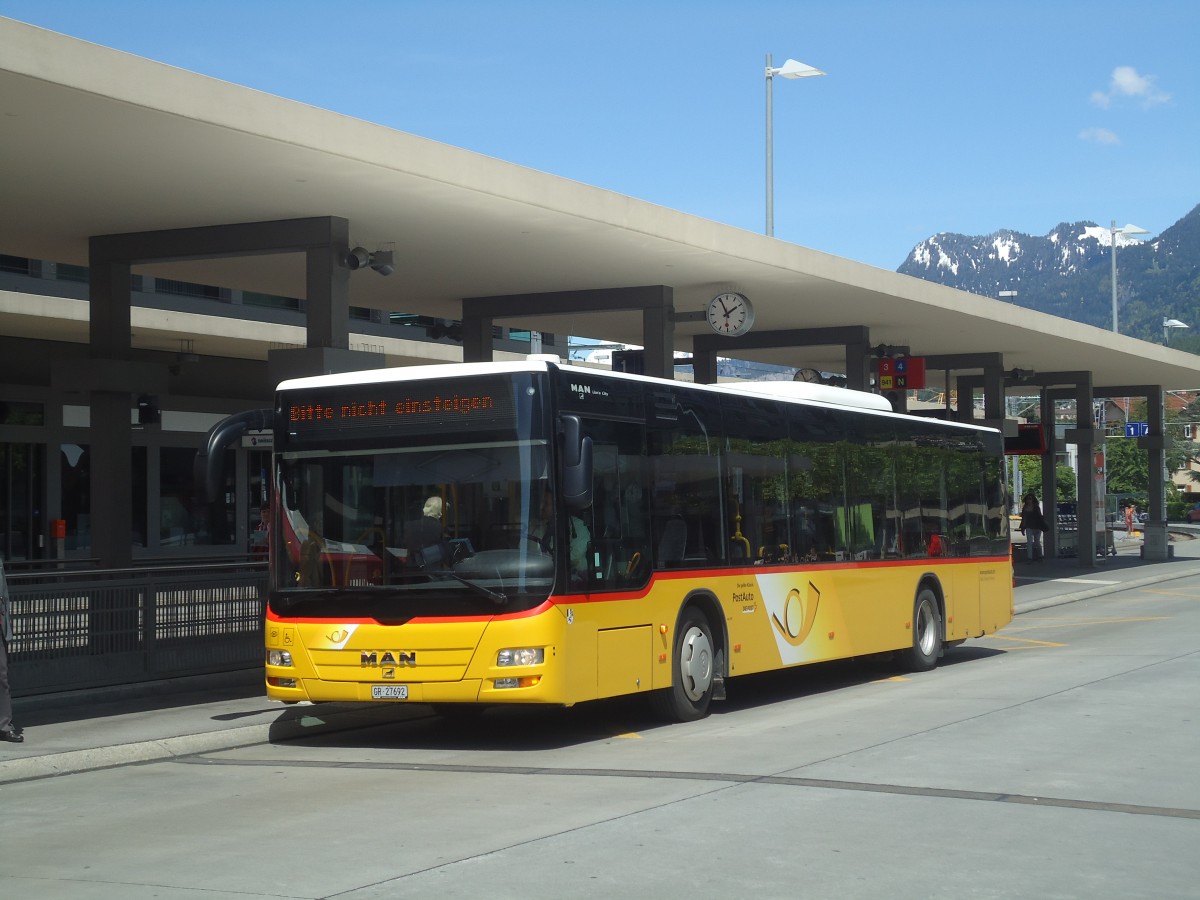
[8, 731]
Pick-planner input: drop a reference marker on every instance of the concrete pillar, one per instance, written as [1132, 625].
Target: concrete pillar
[704, 366]
[327, 289]
[111, 430]
[658, 334]
[858, 365]
[1156, 542]
[477, 338]
[1051, 540]
[1089, 440]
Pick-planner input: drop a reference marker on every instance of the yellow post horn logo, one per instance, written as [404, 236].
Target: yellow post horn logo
[799, 614]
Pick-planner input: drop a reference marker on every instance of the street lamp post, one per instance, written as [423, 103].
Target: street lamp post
[790, 69]
[1113, 232]
[1168, 324]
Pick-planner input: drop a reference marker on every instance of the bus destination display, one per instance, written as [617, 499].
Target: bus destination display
[404, 408]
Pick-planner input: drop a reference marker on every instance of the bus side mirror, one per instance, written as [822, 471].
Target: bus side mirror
[207, 466]
[577, 464]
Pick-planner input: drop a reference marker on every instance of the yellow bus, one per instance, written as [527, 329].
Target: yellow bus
[537, 532]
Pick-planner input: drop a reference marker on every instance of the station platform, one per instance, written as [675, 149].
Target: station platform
[86, 730]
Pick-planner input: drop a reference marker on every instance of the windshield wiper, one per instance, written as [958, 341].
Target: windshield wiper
[496, 596]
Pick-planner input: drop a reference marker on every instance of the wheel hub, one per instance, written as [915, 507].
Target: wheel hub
[696, 663]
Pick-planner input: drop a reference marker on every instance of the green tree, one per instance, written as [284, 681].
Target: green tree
[1031, 478]
[1128, 467]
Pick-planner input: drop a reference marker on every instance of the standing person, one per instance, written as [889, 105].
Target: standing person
[1129, 519]
[1033, 523]
[260, 539]
[8, 731]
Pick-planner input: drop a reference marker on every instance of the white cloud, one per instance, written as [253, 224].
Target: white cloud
[1128, 82]
[1099, 136]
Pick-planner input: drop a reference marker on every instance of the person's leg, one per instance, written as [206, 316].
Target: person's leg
[6, 722]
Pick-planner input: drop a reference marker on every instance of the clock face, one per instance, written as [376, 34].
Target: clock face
[730, 314]
[812, 376]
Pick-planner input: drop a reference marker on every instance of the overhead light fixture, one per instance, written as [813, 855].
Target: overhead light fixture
[1168, 324]
[382, 261]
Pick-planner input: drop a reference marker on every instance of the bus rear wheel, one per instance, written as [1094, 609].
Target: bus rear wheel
[926, 633]
[692, 661]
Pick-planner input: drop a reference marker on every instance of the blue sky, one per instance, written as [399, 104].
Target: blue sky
[935, 115]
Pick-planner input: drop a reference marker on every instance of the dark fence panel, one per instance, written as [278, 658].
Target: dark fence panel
[74, 630]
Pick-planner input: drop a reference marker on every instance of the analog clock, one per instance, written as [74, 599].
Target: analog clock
[812, 376]
[730, 314]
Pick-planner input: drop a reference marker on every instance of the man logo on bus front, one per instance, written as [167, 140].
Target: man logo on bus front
[387, 658]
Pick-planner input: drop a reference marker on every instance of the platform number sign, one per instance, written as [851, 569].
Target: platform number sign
[907, 373]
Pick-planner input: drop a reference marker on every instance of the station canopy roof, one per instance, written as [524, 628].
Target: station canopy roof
[96, 141]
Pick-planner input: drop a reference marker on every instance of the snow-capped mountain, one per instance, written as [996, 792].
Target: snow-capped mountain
[1067, 272]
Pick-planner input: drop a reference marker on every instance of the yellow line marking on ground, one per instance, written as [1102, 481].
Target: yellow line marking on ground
[1191, 595]
[630, 735]
[1074, 623]
[892, 678]
[998, 637]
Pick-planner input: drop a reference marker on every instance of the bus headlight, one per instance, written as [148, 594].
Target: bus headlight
[279, 658]
[521, 656]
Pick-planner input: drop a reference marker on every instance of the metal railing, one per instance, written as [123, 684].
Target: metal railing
[97, 628]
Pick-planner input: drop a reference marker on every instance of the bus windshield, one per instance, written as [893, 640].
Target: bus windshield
[369, 526]
[405, 521]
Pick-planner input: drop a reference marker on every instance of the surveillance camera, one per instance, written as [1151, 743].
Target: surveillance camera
[381, 262]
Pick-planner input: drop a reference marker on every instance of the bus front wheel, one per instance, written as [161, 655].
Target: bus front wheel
[692, 662]
[926, 633]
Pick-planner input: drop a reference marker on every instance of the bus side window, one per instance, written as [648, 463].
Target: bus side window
[816, 469]
[619, 552]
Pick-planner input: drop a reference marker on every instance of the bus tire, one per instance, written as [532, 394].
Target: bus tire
[927, 635]
[692, 670]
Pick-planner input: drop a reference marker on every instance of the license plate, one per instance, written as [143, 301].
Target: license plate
[389, 692]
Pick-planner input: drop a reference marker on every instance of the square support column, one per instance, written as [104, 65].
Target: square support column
[1049, 475]
[327, 289]
[1156, 543]
[1090, 442]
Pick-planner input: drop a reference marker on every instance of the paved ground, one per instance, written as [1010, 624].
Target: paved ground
[90, 730]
